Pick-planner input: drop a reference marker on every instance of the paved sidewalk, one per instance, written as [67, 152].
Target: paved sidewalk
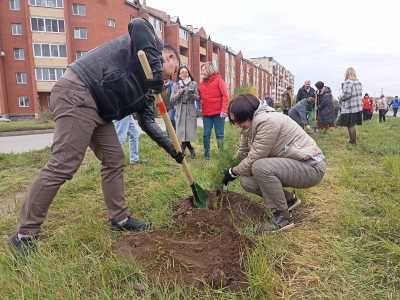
[30, 142]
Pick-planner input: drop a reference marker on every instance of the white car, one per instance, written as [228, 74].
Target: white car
[4, 119]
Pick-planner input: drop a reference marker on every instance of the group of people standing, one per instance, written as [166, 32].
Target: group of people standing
[308, 99]
[353, 107]
[184, 98]
[381, 106]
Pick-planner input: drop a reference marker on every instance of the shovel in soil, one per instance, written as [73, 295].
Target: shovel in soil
[199, 194]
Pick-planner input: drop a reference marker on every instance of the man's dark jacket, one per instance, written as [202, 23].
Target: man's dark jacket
[303, 93]
[115, 78]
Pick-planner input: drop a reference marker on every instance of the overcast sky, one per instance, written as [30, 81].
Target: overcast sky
[315, 40]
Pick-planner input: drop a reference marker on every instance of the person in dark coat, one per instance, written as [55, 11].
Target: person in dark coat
[299, 111]
[305, 91]
[325, 109]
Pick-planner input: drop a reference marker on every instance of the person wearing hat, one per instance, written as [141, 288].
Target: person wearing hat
[106, 84]
[326, 116]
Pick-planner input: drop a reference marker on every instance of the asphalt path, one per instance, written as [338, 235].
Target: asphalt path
[25, 143]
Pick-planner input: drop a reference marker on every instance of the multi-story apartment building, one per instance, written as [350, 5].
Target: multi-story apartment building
[281, 77]
[39, 38]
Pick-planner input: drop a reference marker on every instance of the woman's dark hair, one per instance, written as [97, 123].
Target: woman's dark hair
[319, 85]
[242, 108]
[366, 95]
[179, 70]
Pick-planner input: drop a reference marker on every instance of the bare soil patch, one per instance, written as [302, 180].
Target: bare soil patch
[202, 247]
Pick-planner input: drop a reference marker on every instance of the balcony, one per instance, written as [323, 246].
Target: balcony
[184, 60]
[203, 51]
[45, 86]
[183, 43]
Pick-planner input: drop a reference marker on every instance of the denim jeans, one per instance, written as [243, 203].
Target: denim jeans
[208, 123]
[171, 114]
[128, 126]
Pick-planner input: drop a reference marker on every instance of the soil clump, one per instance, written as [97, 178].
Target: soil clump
[202, 246]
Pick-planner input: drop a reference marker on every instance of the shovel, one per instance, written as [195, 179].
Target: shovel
[199, 194]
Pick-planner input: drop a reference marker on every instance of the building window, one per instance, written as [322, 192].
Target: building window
[47, 25]
[50, 50]
[157, 23]
[47, 3]
[19, 53]
[15, 5]
[21, 77]
[110, 23]
[183, 34]
[78, 9]
[80, 33]
[79, 54]
[23, 101]
[16, 29]
[49, 74]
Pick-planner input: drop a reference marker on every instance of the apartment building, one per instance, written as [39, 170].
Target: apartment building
[39, 38]
[281, 77]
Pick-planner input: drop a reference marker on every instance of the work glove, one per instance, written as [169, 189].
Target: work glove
[229, 176]
[155, 85]
[179, 156]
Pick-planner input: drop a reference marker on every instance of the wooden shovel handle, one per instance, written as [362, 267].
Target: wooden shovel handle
[164, 114]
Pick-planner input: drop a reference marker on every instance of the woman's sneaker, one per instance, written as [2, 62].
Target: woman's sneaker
[130, 224]
[291, 200]
[293, 203]
[281, 220]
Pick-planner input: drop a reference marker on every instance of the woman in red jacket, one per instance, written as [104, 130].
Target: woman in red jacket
[367, 108]
[214, 104]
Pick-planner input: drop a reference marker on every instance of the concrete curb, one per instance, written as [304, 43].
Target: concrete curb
[26, 132]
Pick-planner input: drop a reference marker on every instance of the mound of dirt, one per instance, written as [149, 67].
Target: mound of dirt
[202, 247]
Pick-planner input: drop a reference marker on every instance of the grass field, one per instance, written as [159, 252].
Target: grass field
[346, 247]
[26, 125]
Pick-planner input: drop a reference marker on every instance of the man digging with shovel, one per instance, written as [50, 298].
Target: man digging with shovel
[107, 84]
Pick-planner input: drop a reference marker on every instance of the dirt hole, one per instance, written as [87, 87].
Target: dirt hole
[202, 247]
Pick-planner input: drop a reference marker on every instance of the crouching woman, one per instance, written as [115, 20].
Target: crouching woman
[275, 153]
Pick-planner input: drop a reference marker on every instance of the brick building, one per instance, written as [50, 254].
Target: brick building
[281, 77]
[39, 38]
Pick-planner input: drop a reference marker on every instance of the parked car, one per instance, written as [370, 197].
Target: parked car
[4, 119]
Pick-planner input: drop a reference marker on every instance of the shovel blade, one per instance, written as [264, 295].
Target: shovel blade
[199, 196]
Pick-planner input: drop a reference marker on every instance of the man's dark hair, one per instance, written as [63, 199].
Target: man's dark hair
[243, 108]
[366, 95]
[173, 50]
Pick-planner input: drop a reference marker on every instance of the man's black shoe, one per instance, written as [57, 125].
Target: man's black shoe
[130, 224]
[22, 245]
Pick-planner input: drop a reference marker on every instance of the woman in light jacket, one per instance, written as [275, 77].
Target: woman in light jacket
[184, 95]
[351, 104]
[214, 103]
[275, 153]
